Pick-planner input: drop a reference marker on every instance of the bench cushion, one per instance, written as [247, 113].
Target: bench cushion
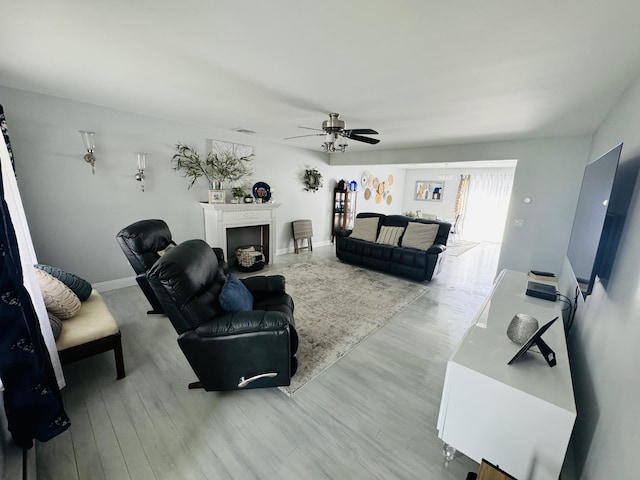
[92, 322]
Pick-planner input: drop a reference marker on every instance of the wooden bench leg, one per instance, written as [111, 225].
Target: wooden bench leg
[80, 352]
[117, 351]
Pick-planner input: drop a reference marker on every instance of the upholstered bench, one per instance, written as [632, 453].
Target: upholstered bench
[91, 331]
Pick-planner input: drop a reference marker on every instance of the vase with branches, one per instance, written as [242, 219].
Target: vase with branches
[229, 164]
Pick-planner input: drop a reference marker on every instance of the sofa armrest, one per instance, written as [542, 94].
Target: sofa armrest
[436, 248]
[343, 233]
[243, 322]
[261, 285]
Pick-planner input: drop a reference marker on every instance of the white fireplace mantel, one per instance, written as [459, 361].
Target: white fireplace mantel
[218, 217]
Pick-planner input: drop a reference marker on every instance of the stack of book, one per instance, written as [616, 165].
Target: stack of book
[543, 276]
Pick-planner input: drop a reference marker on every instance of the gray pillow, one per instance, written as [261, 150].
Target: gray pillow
[56, 325]
[78, 285]
[365, 228]
[420, 235]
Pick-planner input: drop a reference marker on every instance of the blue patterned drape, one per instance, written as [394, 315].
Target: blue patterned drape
[32, 400]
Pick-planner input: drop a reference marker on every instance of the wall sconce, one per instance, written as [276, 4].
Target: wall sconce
[88, 138]
[142, 160]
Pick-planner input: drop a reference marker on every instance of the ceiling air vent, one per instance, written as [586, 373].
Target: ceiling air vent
[242, 130]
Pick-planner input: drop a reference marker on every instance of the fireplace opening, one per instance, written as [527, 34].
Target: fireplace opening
[249, 235]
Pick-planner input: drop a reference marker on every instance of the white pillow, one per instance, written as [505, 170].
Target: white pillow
[58, 298]
[389, 235]
[365, 228]
[420, 235]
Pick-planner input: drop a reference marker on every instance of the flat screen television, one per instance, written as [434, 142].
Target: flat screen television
[597, 222]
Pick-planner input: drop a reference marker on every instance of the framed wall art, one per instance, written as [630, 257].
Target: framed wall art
[429, 190]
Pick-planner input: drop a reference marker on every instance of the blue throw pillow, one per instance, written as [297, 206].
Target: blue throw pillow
[78, 285]
[234, 296]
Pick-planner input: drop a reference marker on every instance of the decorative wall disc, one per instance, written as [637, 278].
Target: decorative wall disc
[364, 178]
[388, 199]
[367, 194]
[370, 181]
[378, 198]
[381, 188]
[390, 180]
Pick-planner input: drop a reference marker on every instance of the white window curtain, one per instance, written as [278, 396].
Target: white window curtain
[487, 206]
[27, 257]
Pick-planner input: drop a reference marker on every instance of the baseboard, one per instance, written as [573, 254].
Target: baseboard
[285, 251]
[115, 284]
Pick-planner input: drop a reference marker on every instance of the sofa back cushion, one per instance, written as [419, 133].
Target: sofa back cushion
[390, 235]
[396, 221]
[187, 281]
[365, 228]
[420, 235]
[141, 241]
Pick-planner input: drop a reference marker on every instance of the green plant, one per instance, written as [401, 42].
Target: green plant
[312, 180]
[220, 165]
[238, 192]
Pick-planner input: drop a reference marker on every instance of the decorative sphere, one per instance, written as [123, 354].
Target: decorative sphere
[521, 328]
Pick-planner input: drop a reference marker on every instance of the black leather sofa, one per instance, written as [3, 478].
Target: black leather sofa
[227, 351]
[413, 263]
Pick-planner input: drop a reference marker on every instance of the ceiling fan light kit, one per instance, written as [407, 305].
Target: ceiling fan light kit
[335, 135]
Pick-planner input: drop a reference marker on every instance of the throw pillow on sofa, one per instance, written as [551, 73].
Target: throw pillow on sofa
[420, 235]
[365, 228]
[58, 298]
[389, 235]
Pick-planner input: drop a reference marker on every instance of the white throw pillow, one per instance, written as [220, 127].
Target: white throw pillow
[365, 228]
[420, 235]
[389, 235]
[58, 298]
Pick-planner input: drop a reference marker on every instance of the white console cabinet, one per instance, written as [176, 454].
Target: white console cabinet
[517, 416]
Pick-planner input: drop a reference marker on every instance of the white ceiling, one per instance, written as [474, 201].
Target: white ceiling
[420, 72]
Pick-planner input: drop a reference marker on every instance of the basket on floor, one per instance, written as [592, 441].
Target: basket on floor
[250, 258]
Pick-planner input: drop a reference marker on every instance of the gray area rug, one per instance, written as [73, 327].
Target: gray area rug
[460, 248]
[336, 307]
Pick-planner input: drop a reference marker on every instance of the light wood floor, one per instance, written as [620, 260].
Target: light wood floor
[370, 416]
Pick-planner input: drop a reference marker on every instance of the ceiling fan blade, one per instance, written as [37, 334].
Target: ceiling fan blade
[310, 135]
[309, 128]
[361, 131]
[360, 138]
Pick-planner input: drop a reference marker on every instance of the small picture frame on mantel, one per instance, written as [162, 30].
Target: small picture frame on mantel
[216, 196]
[429, 190]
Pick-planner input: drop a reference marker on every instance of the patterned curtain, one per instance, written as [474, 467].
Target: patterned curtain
[461, 196]
[32, 399]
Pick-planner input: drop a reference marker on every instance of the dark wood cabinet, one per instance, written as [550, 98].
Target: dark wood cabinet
[344, 210]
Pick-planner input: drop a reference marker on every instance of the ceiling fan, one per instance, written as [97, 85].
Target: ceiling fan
[333, 131]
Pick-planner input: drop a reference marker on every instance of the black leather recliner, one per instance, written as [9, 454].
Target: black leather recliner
[142, 242]
[227, 351]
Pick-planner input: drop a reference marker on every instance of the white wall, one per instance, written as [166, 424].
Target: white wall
[604, 340]
[548, 170]
[74, 216]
